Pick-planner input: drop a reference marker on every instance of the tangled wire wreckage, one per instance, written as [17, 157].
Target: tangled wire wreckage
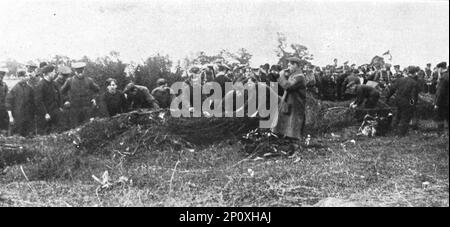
[127, 136]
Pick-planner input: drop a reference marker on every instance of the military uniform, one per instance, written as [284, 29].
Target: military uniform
[65, 114]
[406, 90]
[80, 91]
[20, 101]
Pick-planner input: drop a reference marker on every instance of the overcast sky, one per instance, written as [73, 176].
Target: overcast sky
[416, 32]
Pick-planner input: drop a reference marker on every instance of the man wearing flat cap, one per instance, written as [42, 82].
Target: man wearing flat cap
[31, 69]
[20, 105]
[64, 73]
[291, 117]
[81, 92]
[48, 102]
[4, 120]
[407, 93]
[441, 99]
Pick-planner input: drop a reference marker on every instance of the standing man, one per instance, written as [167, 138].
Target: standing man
[20, 105]
[398, 73]
[64, 72]
[81, 91]
[33, 80]
[429, 79]
[441, 100]
[407, 93]
[47, 101]
[292, 110]
[4, 121]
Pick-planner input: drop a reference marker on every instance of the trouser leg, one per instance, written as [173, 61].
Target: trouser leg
[405, 118]
[4, 120]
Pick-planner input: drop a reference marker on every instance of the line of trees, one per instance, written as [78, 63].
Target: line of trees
[161, 66]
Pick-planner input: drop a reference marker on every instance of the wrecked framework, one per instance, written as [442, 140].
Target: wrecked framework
[144, 130]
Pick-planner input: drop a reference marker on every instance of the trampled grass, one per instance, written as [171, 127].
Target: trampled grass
[379, 171]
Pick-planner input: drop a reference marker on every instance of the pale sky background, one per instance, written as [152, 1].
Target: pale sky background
[416, 32]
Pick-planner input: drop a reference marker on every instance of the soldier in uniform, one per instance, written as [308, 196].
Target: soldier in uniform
[81, 91]
[4, 120]
[162, 93]
[20, 105]
[441, 100]
[47, 102]
[64, 73]
[406, 90]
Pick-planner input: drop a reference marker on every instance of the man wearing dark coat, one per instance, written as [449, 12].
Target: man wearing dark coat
[20, 106]
[397, 73]
[64, 73]
[139, 97]
[441, 100]
[368, 94]
[407, 91]
[328, 85]
[273, 77]
[81, 91]
[429, 79]
[113, 101]
[349, 85]
[162, 93]
[4, 120]
[340, 83]
[290, 121]
[47, 102]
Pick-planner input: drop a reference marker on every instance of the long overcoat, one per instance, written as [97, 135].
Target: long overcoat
[290, 119]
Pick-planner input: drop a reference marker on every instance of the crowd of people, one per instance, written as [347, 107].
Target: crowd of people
[52, 98]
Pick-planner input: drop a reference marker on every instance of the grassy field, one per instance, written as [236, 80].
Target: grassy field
[381, 171]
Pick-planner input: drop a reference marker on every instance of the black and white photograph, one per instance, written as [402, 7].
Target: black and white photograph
[224, 103]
